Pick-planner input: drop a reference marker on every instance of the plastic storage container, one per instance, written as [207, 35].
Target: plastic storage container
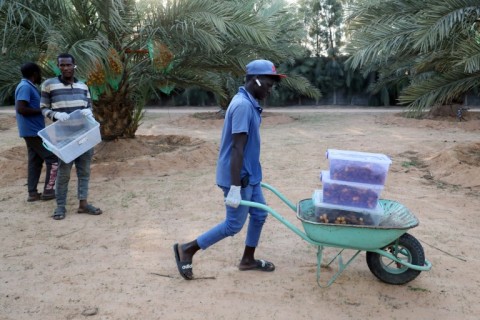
[354, 166]
[71, 138]
[330, 213]
[352, 194]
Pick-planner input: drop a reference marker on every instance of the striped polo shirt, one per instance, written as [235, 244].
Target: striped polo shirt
[58, 96]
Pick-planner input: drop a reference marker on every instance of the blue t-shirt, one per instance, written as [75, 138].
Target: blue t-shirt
[28, 126]
[243, 115]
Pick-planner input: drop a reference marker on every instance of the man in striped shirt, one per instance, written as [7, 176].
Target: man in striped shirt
[61, 96]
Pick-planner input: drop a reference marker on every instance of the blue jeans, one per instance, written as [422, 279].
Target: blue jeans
[82, 166]
[236, 218]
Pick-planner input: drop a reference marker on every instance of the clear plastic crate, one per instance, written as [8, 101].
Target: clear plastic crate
[361, 167]
[71, 138]
[352, 194]
[330, 213]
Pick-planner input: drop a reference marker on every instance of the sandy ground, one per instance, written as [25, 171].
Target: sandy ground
[159, 189]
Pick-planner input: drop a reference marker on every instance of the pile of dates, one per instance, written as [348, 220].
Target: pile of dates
[343, 217]
[370, 173]
[349, 196]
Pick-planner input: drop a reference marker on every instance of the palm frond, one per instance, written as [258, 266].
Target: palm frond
[430, 44]
[301, 85]
[467, 55]
[443, 20]
[9, 77]
[439, 89]
[381, 42]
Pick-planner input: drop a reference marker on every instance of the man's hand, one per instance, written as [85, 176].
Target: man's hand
[61, 116]
[233, 197]
[87, 112]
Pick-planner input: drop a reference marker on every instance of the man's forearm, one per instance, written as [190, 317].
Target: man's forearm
[236, 163]
[23, 109]
[236, 158]
[48, 113]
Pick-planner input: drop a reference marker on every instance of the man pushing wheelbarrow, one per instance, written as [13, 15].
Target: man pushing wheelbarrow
[239, 172]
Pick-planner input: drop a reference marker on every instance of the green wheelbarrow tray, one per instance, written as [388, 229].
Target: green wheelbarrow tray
[392, 255]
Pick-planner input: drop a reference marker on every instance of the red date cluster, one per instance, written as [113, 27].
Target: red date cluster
[349, 196]
[370, 173]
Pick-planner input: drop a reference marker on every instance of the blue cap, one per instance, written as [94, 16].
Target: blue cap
[263, 67]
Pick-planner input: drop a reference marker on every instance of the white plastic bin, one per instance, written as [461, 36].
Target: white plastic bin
[354, 166]
[71, 138]
[329, 213]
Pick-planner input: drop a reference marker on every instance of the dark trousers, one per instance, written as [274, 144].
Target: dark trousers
[37, 155]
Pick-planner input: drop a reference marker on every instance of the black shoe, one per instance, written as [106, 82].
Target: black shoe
[48, 195]
[34, 197]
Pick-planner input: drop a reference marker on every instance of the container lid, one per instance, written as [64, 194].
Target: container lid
[357, 156]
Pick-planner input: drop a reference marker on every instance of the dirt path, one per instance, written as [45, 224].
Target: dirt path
[159, 189]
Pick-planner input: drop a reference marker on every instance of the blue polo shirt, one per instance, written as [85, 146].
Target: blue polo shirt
[243, 115]
[28, 126]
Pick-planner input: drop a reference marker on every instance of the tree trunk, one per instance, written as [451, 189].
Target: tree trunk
[115, 114]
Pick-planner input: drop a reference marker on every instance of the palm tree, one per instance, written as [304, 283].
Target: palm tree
[430, 48]
[126, 54]
[288, 32]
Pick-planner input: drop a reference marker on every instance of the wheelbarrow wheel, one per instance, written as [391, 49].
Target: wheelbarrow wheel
[407, 249]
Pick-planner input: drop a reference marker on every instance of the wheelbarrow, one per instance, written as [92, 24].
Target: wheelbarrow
[392, 255]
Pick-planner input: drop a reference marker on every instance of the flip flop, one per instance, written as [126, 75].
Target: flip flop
[261, 265]
[90, 210]
[184, 267]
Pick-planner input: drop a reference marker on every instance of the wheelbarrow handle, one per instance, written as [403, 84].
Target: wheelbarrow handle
[279, 217]
[280, 195]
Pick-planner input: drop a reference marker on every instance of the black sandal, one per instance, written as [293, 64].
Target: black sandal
[89, 209]
[59, 213]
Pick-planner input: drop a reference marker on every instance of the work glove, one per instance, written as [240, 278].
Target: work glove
[233, 197]
[61, 116]
[87, 112]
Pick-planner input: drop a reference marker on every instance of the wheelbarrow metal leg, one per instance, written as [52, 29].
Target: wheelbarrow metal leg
[339, 256]
[341, 265]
